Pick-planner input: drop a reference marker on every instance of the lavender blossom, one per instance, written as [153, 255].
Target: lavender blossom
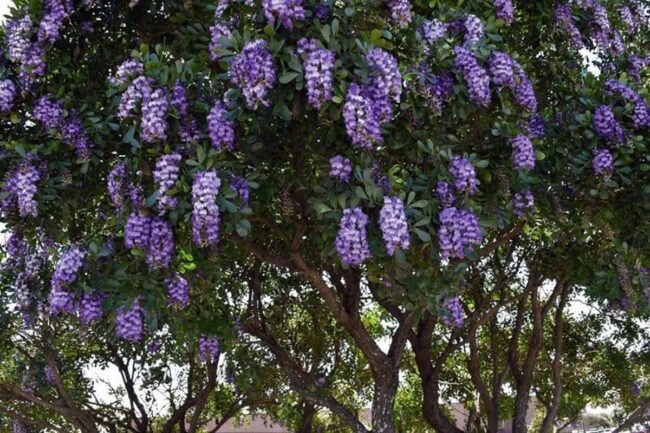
[16, 34]
[205, 212]
[137, 231]
[352, 240]
[178, 291]
[502, 69]
[319, 74]
[75, 135]
[208, 348]
[464, 175]
[605, 124]
[161, 244]
[564, 17]
[454, 317]
[65, 274]
[603, 162]
[117, 185]
[90, 307]
[340, 168]
[154, 112]
[128, 322]
[401, 12]
[385, 73]
[54, 12]
[445, 193]
[459, 230]
[432, 31]
[8, 95]
[165, 175]
[393, 225]
[221, 129]
[240, 185]
[49, 112]
[139, 90]
[361, 120]
[253, 72]
[523, 203]
[128, 69]
[505, 10]
[284, 11]
[476, 78]
[474, 28]
[218, 32]
[523, 154]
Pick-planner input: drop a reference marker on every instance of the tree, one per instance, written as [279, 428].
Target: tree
[394, 161]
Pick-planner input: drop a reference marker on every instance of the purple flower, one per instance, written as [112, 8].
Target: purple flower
[523, 203]
[525, 94]
[385, 73]
[218, 32]
[432, 31]
[476, 78]
[16, 245]
[352, 240]
[305, 45]
[536, 127]
[564, 17]
[253, 72]
[464, 175]
[205, 212]
[606, 125]
[319, 74]
[393, 225]
[637, 64]
[137, 231]
[49, 112]
[33, 65]
[139, 90]
[445, 193]
[128, 322]
[613, 87]
[340, 168]
[16, 34]
[603, 162]
[178, 291]
[165, 175]
[502, 69]
[474, 28]
[221, 129]
[117, 185]
[161, 244]
[401, 12]
[285, 11]
[8, 95]
[321, 12]
[65, 274]
[74, 134]
[154, 113]
[505, 10]
[179, 100]
[54, 12]
[454, 316]
[128, 69]
[361, 119]
[641, 115]
[208, 348]
[136, 195]
[523, 154]
[90, 307]
[240, 185]
[459, 230]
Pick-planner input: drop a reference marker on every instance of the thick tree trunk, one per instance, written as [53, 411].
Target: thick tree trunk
[307, 420]
[522, 398]
[383, 401]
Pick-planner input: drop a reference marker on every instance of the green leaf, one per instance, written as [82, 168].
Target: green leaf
[424, 236]
[288, 77]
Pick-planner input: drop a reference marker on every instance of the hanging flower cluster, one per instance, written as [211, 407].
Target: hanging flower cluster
[352, 239]
[65, 274]
[218, 32]
[603, 162]
[75, 135]
[21, 188]
[208, 348]
[161, 244]
[431, 32]
[20, 49]
[137, 231]
[90, 307]
[637, 64]
[506, 72]
[284, 11]
[434, 89]
[459, 230]
[641, 114]
[476, 78]
[319, 74]
[126, 71]
[523, 203]
[473, 28]
[464, 175]
[401, 12]
[205, 212]
[253, 72]
[117, 185]
[220, 129]
[523, 154]
[536, 126]
[564, 17]
[154, 116]
[454, 316]
[165, 175]
[8, 95]
[138, 90]
[188, 130]
[505, 10]
[129, 322]
[241, 187]
[305, 45]
[606, 126]
[49, 112]
[392, 222]
[386, 78]
[445, 193]
[340, 168]
[54, 13]
[178, 291]
[361, 118]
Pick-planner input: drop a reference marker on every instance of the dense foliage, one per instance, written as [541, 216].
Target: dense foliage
[365, 203]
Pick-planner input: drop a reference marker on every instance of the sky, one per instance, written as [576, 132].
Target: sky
[4, 8]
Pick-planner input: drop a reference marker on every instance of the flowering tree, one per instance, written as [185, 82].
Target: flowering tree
[164, 163]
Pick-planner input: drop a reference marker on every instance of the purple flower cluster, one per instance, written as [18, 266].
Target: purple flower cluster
[525, 94]
[523, 154]
[75, 135]
[401, 12]
[178, 291]
[454, 316]
[65, 274]
[464, 175]
[117, 185]
[321, 12]
[502, 69]
[161, 244]
[564, 17]
[435, 89]
[305, 45]
[253, 72]
[505, 10]
[606, 125]
[188, 130]
[127, 70]
[284, 11]
[523, 203]
[386, 77]
[459, 229]
[361, 118]
[603, 162]
[536, 126]
[16, 245]
[208, 348]
[445, 193]
[477, 79]
[240, 185]
[392, 222]
[49, 112]
[90, 307]
[352, 239]
[637, 64]
[474, 28]
[21, 188]
[17, 38]
[54, 13]
[137, 231]
[340, 168]
[154, 116]
[138, 90]
[319, 74]
[221, 129]
[8, 94]
[218, 31]
[136, 195]
[205, 212]
[641, 114]
[432, 31]
[128, 322]
[165, 175]
[32, 66]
